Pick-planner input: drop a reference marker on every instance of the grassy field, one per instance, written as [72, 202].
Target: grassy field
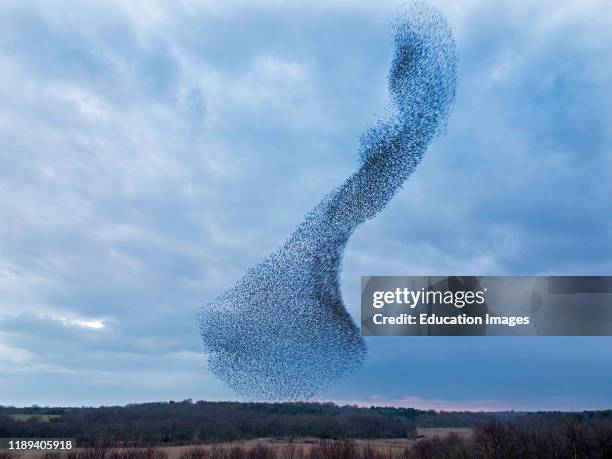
[394, 445]
[443, 432]
[297, 448]
[24, 417]
[301, 446]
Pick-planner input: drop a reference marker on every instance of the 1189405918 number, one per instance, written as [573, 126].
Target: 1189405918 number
[39, 444]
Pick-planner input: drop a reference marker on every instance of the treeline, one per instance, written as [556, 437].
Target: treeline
[188, 422]
[204, 422]
[543, 437]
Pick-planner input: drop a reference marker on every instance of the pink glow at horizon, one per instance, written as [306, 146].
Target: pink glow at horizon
[421, 403]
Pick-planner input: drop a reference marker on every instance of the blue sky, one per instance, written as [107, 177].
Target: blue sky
[152, 152]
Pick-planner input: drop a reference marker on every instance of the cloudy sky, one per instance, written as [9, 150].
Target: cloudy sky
[151, 152]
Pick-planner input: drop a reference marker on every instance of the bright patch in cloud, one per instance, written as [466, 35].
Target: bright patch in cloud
[92, 324]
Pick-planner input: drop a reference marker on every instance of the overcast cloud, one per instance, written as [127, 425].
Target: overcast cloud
[151, 153]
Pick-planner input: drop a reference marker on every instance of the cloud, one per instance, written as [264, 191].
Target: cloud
[152, 152]
[90, 324]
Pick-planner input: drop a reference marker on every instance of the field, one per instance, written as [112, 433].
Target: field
[265, 448]
[24, 417]
[234, 430]
[395, 445]
[443, 432]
